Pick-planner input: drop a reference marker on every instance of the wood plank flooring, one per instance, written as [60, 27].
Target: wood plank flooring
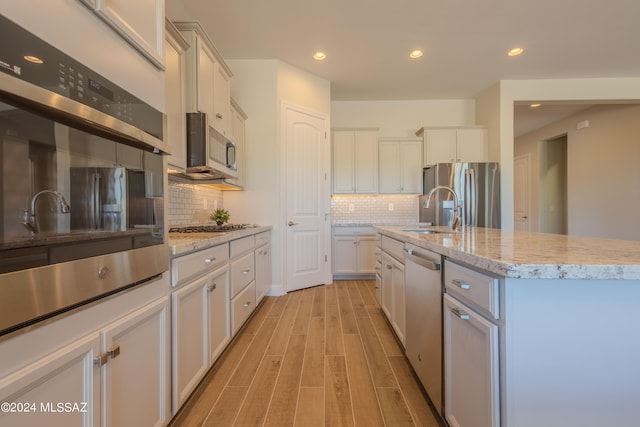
[323, 356]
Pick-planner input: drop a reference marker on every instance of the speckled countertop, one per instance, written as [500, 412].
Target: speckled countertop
[182, 243]
[519, 254]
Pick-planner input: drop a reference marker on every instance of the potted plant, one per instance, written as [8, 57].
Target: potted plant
[220, 216]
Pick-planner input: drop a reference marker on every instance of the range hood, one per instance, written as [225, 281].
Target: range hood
[210, 155]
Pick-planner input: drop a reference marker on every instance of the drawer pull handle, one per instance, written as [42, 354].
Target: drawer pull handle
[212, 287]
[245, 272]
[246, 304]
[209, 260]
[114, 352]
[461, 314]
[389, 266]
[460, 284]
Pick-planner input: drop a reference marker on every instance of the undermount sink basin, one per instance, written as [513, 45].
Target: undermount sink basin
[422, 231]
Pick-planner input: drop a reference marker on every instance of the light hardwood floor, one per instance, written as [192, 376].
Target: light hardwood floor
[323, 356]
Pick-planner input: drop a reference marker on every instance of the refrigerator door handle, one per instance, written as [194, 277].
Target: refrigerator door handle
[474, 202]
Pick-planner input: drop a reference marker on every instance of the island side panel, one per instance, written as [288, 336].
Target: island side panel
[570, 353]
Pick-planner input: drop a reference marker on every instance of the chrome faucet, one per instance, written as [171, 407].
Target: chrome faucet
[29, 217]
[456, 222]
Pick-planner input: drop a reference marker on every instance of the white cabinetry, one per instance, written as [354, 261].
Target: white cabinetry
[471, 358]
[175, 90]
[136, 378]
[354, 252]
[445, 145]
[400, 169]
[115, 376]
[141, 23]
[200, 316]
[208, 78]
[242, 284]
[355, 161]
[262, 256]
[393, 289]
[67, 375]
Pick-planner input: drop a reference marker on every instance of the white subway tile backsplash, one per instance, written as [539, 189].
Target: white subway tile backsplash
[191, 204]
[374, 209]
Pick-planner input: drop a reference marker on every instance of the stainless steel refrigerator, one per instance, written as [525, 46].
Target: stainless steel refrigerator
[477, 186]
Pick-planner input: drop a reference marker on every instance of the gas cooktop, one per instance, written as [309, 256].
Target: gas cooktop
[210, 228]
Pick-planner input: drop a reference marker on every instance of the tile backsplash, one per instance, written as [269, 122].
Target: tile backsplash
[191, 204]
[374, 209]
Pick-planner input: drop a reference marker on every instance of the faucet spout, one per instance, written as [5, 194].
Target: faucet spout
[29, 219]
[456, 221]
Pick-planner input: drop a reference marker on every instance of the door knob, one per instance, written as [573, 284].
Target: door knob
[291, 223]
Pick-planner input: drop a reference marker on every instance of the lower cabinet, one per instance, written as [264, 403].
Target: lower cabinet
[354, 252]
[118, 376]
[471, 367]
[263, 271]
[471, 352]
[200, 323]
[392, 278]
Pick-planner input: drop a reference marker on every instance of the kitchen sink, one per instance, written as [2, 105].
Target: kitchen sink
[423, 231]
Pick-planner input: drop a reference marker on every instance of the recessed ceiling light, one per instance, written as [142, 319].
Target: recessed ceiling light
[536, 105]
[319, 56]
[33, 59]
[515, 51]
[416, 54]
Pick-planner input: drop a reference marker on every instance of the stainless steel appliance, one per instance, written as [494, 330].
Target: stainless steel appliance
[210, 155]
[81, 201]
[423, 305]
[477, 186]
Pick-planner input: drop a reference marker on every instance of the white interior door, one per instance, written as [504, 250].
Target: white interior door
[521, 196]
[307, 199]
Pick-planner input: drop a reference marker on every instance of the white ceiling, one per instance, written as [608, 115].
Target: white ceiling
[465, 41]
[367, 43]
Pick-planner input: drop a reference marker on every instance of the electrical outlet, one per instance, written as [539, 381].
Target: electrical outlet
[390, 207]
[351, 208]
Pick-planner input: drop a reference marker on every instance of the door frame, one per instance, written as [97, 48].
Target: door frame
[284, 106]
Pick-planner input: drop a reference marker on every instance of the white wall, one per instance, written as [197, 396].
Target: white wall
[603, 174]
[260, 87]
[74, 29]
[507, 92]
[402, 118]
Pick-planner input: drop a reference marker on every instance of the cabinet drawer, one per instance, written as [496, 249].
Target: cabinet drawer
[240, 246]
[472, 286]
[193, 265]
[263, 238]
[242, 306]
[393, 247]
[242, 272]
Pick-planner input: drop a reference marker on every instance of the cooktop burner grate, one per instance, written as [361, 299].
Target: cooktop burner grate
[210, 228]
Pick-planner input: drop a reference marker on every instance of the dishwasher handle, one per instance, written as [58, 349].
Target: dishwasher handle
[424, 262]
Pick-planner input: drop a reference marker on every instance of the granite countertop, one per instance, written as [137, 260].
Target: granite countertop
[182, 243]
[525, 255]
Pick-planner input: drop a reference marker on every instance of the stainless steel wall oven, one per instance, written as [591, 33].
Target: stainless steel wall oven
[81, 197]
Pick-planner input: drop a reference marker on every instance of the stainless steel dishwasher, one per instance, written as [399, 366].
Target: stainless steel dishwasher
[423, 339]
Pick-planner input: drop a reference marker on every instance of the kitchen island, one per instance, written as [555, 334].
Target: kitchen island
[560, 347]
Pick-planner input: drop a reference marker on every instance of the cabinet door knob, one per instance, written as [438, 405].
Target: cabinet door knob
[246, 304]
[218, 116]
[212, 287]
[291, 223]
[245, 272]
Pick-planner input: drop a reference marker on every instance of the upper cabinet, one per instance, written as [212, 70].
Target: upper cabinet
[400, 166]
[176, 96]
[208, 78]
[141, 23]
[238, 118]
[445, 145]
[355, 161]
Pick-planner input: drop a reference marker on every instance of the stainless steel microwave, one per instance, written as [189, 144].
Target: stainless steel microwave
[210, 155]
